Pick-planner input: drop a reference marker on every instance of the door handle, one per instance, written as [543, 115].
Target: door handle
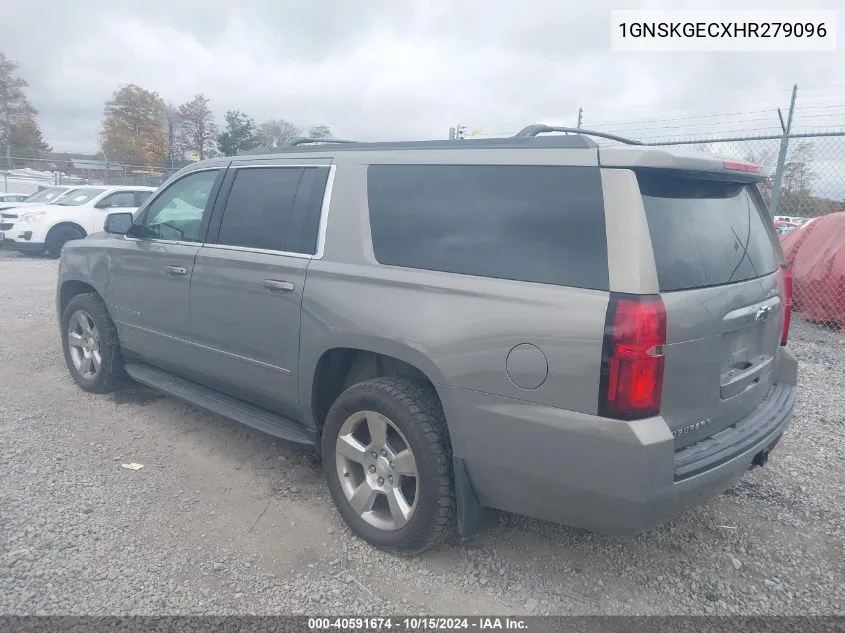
[275, 284]
[175, 270]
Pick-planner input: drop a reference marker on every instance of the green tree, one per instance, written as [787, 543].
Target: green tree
[197, 131]
[239, 135]
[133, 127]
[27, 140]
[320, 131]
[277, 132]
[16, 112]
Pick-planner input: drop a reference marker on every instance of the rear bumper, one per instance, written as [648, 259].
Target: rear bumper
[604, 475]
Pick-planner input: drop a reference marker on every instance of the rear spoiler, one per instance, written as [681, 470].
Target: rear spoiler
[701, 163]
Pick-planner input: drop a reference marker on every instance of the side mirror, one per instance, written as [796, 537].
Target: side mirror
[118, 223]
[102, 204]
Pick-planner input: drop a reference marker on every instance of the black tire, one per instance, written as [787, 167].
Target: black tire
[110, 376]
[58, 237]
[414, 408]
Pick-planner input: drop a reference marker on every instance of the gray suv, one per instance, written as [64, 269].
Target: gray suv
[593, 335]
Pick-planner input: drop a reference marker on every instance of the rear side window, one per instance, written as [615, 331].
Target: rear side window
[540, 224]
[142, 196]
[259, 206]
[705, 233]
[121, 199]
[304, 224]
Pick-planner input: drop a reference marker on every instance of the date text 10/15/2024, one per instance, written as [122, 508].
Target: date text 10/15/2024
[401, 624]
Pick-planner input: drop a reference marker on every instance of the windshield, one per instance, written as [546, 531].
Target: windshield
[47, 195]
[80, 197]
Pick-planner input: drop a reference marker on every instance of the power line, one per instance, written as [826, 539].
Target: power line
[808, 97]
[691, 125]
[729, 99]
[691, 117]
[708, 119]
[685, 118]
[752, 135]
[823, 107]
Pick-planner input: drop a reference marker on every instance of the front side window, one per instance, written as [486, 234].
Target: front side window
[176, 214]
[259, 207]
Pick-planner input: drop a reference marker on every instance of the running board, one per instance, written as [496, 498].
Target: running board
[203, 397]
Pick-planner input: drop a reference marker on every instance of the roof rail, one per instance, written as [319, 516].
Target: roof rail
[304, 140]
[538, 128]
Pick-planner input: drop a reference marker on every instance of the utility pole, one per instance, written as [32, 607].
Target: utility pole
[8, 139]
[580, 112]
[784, 145]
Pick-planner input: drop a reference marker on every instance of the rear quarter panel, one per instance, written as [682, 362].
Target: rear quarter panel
[457, 329]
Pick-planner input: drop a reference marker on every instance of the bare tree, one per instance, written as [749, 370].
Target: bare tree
[768, 159]
[277, 132]
[798, 173]
[197, 131]
[171, 129]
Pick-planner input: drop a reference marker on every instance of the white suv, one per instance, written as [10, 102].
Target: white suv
[49, 227]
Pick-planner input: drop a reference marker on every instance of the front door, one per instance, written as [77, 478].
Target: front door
[148, 288]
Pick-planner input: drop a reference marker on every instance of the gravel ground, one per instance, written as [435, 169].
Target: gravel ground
[223, 520]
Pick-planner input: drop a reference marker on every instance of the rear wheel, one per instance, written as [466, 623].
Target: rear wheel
[387, 460]
[59, 236]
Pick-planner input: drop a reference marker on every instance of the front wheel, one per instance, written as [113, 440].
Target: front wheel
[58, 237]
[388, 464]
[89, 342]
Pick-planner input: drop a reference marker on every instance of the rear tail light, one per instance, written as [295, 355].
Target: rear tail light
[787, 304]
[632, 357]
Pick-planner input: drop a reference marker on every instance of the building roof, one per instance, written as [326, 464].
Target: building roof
[96, 165]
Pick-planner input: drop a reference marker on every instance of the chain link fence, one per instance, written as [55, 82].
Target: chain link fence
[27, 175]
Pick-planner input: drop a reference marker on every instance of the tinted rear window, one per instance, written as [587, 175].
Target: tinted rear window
[705, 233]
[528, 223]
[258, 207]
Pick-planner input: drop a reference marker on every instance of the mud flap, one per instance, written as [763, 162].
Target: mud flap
[472, 516]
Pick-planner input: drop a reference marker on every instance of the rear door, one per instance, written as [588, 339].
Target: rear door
[246, 289]
[718, 268]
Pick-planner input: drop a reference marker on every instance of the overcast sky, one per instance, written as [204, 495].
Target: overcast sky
[384, 69]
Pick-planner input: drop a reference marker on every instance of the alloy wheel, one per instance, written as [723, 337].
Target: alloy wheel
[377, 470]
[83, 342]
